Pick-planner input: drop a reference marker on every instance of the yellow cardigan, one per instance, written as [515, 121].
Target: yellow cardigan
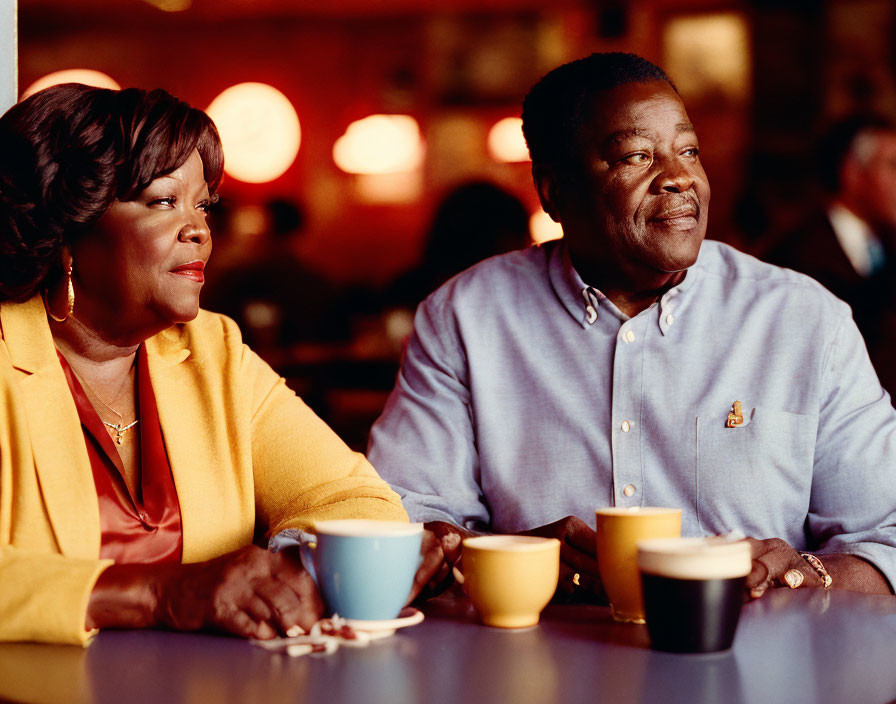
[242, 447]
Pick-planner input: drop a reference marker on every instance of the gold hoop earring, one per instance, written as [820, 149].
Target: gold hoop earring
[70, 299]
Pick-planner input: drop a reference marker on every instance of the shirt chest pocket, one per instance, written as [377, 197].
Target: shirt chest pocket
[754, 475]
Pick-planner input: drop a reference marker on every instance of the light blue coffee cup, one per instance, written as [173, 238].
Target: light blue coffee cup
[364, 569]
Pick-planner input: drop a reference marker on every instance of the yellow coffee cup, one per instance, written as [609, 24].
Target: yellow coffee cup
[510, 578]
[618, 532]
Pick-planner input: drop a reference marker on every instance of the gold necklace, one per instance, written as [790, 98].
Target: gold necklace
[118, 427]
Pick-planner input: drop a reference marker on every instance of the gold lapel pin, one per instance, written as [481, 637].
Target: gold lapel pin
[736, 417]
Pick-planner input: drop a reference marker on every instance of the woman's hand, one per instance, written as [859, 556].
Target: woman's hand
[251, 593]
[440, 551]
[578, 556]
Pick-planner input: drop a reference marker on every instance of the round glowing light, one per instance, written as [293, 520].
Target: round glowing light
[86, 76]
[380, 144]
[171, 5]
[542, 228]
[259, 131]
[506, 141]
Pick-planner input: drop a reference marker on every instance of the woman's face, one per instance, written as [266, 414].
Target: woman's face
[142, 265]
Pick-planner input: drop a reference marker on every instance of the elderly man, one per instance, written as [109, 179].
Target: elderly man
[849, 244]
[631, 363]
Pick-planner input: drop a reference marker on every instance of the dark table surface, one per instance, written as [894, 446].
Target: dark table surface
[800, 646]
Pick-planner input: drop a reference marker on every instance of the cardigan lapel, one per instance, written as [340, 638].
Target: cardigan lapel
[57, 441]
[216, 500]
[179, 401]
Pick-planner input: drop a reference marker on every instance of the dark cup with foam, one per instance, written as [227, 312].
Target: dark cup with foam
[693, 591]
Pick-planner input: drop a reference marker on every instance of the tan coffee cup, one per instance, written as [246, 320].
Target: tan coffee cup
[618, 532]
[510, 578]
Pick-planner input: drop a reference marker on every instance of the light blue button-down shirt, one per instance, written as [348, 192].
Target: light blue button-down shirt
[526, 396]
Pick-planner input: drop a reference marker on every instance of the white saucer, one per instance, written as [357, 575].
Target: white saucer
[409, 616]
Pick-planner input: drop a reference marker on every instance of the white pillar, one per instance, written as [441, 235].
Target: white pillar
[8, 55]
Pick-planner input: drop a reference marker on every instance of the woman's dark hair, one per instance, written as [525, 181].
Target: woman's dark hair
[68, 152]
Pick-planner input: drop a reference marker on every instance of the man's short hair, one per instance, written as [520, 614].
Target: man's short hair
[849, 136]
[558, 105]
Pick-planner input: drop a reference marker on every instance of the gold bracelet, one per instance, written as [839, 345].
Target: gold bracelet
[817, 565]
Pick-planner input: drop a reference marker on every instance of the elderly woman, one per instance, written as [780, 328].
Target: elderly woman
[142, 445]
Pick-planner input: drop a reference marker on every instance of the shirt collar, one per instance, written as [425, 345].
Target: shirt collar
[568, 285]
[855, 237]
[583, 302]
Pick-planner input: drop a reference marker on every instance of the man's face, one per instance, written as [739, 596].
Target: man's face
[875, 182]
[639, 201]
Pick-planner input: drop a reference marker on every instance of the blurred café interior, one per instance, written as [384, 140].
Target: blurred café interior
[373, 146]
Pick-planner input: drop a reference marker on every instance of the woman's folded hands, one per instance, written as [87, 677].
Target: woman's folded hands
[252, 593]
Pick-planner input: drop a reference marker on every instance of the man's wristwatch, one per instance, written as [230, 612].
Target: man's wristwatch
[817, 565]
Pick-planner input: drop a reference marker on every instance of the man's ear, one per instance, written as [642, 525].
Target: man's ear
[547, 184]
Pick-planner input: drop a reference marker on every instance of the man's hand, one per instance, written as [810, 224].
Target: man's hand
[251, 592]
[772, 559]
[442, 547]
[440, 551]
[577, 557]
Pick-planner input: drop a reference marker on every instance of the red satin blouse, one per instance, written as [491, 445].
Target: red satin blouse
[144, 528]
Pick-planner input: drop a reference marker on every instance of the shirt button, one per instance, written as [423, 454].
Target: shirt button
[629, 490]
[629, 336]
[626, 426]
[592, 314]
[670, 319]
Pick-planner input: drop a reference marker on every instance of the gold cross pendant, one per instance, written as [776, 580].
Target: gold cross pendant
[736, 417]
[120, 430]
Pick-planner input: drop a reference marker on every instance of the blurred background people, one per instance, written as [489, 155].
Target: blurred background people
[474, 221]
[348, 383]
[848, 243]
[275, 298]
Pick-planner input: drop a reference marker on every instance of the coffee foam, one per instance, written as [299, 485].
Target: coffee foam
[695, 558]
[635, 511]
[361, 527]
[515, 543]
